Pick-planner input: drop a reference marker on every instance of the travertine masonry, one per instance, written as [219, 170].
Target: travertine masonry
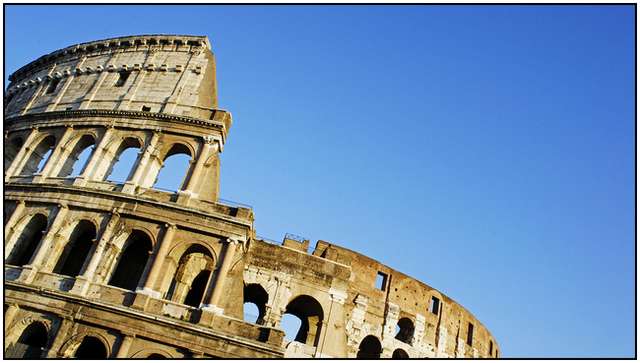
[99, 268]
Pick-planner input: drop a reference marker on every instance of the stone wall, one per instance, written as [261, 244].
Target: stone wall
[100, 268]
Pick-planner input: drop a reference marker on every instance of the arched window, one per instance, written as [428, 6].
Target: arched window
[121, 168]
[404, 330]
[399, 354]
[39, 156]
[370, 348]
[198, 286]
[156, 356]
[132, 261]
[310, 313]
[91, 348]
[76, 251]
[191, 277]
[255, 303]
[78, 158]
[31, 344]
[26, 245]
[11, 150]
[174, 169]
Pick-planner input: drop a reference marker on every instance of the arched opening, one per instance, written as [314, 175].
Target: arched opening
[26, 245]
[310, 313]
[189, 283]
[132, 261]
[122, 168]
[156, 356]
[370, 348]
[174, 169]
[404, 330]
[399, 354]
[255, 303]
[78, 158]
[196, 292]
[32, 342]
[91, 348]
[77, 249]
[39, 156]
[290, 324]
[11, 150]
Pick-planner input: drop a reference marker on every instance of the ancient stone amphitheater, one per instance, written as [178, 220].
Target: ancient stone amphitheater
[96, 268]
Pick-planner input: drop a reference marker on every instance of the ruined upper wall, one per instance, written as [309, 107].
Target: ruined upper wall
[173, 74]
[374, 299]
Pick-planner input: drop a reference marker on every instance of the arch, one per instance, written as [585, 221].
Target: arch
[184, 247]
[79, 156]
[175, 167]
[191, 276]
[310, 313]
[404, 330]
[122, 167]
[197, 289]
[76, 252]
[11, 150]
[399, 354]
[39, 156]
[255, 295]
[91, 348]
[32, 342]
[152, 353]
[26, 245]
[370, 348]
[132, 261]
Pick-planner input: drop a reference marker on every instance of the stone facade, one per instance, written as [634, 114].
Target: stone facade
[96, 268]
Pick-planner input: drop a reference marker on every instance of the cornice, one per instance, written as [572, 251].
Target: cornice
[220, 119]
[149, 42]
[33, 191]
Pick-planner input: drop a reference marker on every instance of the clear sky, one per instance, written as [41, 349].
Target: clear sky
[485, 150]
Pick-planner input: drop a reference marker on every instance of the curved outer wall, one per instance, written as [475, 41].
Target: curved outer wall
[136, 271]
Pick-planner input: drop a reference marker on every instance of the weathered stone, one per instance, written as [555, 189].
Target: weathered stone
[123, 270]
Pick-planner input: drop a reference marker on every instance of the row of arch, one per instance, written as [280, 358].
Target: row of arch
[190, 281]
[371, 348]
[171, 176]
[303, 318]
[34, 342]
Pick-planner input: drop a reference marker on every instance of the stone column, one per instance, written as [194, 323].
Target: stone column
[123, 351]
[192, 187]
[63, 332]
[66, 82]
[55, 158]
[142, 166]
[17, 213]
[23, 155]
[214, 299]
[94, 88]
[34, 96]
[9, 315]
[97, 158]
[47, 244]
[418, 333]
[329, 342]
[83, 282]
[158, 261]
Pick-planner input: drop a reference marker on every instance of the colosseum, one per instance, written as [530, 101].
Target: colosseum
[102, 269]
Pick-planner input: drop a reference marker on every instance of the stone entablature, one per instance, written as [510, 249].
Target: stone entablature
[123, 269]
[174, 43]
[174, 76]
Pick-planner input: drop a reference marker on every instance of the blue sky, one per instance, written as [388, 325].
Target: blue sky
[485, 150]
